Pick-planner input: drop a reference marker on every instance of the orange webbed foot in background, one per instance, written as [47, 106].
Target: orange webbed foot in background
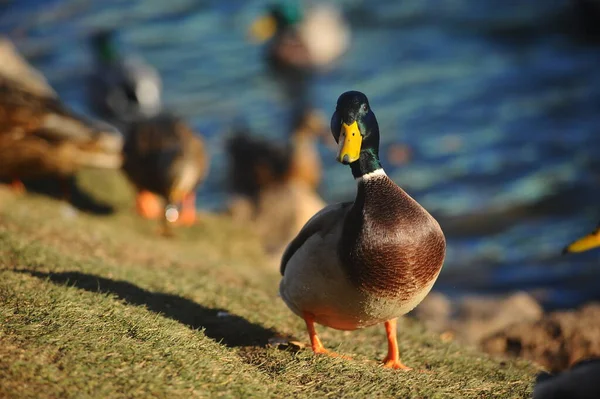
[188, 210]
[148, 205]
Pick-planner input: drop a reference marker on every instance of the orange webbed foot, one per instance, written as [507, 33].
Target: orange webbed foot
[148, 205]
[188, 210]
[395, 364]
[315, 342]
[187, 217]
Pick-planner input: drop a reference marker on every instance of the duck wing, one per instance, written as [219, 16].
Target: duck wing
[321, 223]
[25, 114]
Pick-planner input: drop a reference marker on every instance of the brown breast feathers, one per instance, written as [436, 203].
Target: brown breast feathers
[391, 246]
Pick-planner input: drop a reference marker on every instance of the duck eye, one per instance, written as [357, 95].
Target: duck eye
[365, 108]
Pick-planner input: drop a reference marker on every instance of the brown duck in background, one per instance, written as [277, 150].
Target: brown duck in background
[256, 163]
[40, 137]
[302, 40]
[274, 185]
[163, 156]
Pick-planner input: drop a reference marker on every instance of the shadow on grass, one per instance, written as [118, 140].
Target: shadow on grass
[229, 329]
[79, 199]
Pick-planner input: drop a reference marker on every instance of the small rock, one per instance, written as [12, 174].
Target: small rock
[557, 341]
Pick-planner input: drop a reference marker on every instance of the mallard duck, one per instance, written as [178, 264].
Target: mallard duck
[40, 137]
[121, 89]
[585, 243]
[301, 41]
[313, 37]
[366, 262]
[163, 156]
[256, 164]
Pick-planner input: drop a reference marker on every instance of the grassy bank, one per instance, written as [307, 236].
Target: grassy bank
[101, 306]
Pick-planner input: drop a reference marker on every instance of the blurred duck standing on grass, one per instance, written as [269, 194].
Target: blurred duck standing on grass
[274, 186]
[361, 263]
[39, 136]
[301, 41]
[162, 155]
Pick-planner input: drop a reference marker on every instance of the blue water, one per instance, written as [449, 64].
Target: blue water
[498, 101]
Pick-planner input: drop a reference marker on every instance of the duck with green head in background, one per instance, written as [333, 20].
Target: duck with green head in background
[163, 157]
[121, 88]
[124, 89]
[361, 263]
[301, 41]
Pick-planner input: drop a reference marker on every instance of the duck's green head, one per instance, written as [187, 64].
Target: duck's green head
[356, 131]
[102, 43]
[279, 17]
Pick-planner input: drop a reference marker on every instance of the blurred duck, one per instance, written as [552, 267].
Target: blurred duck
[275, 185]
[314, 37]
[258, 163]
[301, 41]
[365, 262]
[585, 243]
[163, 156]
[39, 136]
[121, 89]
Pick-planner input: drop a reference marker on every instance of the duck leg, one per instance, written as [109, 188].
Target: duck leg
[188, 210]
[315, 342]
[392, 360]
[147, 205]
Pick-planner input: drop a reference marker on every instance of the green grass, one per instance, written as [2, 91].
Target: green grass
[101, 306]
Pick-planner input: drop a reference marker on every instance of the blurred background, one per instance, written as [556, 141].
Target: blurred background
[489, 112]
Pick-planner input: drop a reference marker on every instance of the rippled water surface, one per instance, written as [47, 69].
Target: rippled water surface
[498, 101]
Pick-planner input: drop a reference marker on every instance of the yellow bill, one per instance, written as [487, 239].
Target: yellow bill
[263, 28]
[585, 243]
[349, 143]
